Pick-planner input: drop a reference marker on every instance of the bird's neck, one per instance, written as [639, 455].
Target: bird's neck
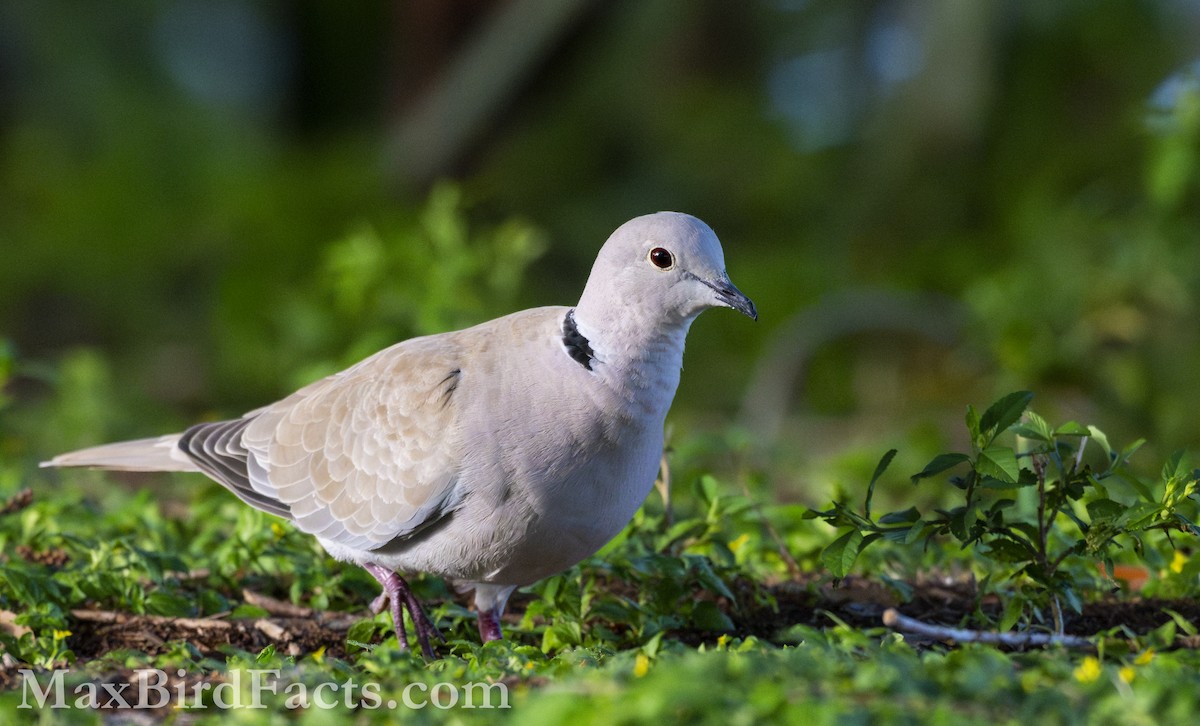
[641, 355]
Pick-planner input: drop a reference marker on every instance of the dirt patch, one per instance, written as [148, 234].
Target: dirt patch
[96, 633]
[765, 611]
[862, 603]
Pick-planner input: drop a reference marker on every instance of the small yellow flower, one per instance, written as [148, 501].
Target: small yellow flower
[1144, 657]
[319, 655]
[278, 530]
[738, 543]
[641, 666]
[1178, 561]
[62, 634]
[1088, 670]
[1126, 674]
[722, 642]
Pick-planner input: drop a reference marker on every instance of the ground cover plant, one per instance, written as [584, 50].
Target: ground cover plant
[712, 605]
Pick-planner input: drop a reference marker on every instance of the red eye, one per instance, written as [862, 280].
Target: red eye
[661, 258]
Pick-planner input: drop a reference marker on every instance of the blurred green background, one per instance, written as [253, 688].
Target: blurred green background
[205, 204]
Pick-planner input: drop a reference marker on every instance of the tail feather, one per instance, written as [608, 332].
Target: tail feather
[157, 454]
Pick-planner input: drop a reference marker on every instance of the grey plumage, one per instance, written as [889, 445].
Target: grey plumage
[492, 456]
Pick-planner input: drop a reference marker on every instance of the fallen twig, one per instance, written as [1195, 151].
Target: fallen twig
[895, 620]
[272, 630]
[275, 606]
[110, 616]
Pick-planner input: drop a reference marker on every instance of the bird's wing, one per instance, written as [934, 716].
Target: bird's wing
[359, 458]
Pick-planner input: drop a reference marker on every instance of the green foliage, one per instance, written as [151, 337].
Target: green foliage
[647, 629]
[409, 275]
[1034, 512]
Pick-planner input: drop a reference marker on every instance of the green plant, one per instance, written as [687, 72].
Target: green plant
[1034, 508]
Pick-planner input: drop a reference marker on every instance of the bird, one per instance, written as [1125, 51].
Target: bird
[492, 456]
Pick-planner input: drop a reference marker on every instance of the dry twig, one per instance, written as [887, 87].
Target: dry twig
[274, 606]
[893, 619]
[110, 616]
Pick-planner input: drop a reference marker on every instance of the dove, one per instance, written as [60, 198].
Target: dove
[492, 456]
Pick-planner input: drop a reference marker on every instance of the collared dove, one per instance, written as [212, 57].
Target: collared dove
[492, 456]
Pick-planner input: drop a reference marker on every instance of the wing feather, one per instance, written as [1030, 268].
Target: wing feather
[369, 456]
[361, 458]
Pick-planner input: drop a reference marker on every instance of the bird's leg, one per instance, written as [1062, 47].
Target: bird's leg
[489, 625]
[398, 592]
[392, 584]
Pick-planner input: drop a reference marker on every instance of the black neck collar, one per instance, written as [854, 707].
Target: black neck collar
[576, 344]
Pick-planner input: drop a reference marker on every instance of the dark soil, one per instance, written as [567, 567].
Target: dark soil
[765, 612]
[861, 603]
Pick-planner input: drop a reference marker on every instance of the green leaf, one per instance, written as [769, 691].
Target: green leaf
[1130, 450]
[707, 578]
[249, 611]
[1100, 438]
[562, 635]
[1071, 428]
[707, 616]
[363, 630]
[171, 604]
[991, 483]
[999, 462]
[1004, 413]
[1014, 606]
[1035, 427]
[1184, 624]
[1188, 524]
[707, 489]
[1010, 551]
[972, 422]
[1104, 508]
[940, 463]
[908, 516]
[959, 526]
[879, 469]
[914, 532]
[1176, 466]
[682, 530]
[1030, 432]
[840, 555]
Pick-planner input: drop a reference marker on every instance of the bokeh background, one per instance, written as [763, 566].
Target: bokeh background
[207, 203]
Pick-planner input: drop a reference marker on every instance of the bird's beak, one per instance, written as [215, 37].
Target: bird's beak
[731, 297]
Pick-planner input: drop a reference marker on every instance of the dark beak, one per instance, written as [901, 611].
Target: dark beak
[731, 297]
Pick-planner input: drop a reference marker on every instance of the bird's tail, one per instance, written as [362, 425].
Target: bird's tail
[158, 454]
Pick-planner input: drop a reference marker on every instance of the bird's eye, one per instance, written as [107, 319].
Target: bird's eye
[661, 258]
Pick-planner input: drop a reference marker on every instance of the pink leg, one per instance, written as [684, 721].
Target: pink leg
[397, 591]
[489, 625]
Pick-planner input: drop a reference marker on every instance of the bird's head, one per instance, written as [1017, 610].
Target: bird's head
[666, 267]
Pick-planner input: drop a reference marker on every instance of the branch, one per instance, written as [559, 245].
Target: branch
[109, 616]
[278, 608]
[893, 619]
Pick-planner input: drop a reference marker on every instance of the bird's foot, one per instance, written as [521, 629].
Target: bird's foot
[397, 591]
